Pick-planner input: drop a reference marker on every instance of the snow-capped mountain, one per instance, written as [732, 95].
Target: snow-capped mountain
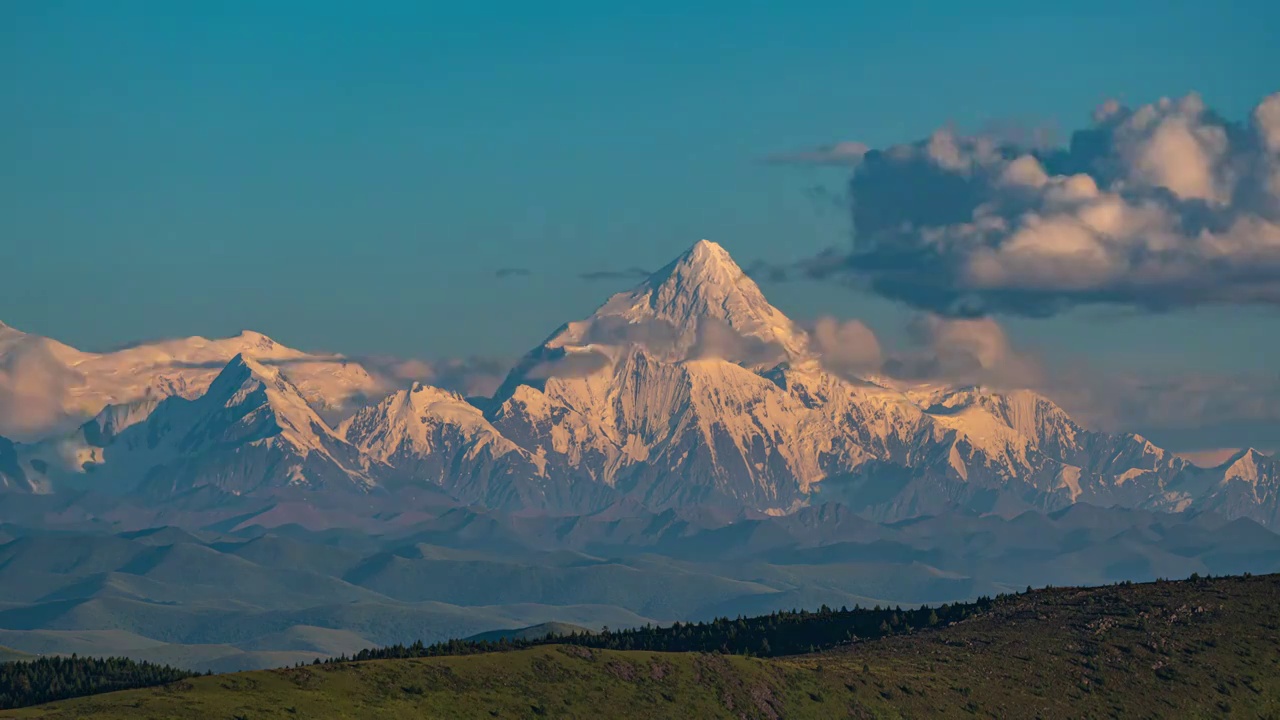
[659, 394]
[689, 390]
[63, 458]
[425, 435]
[1246, 485]
[251, 430]
[693, 389]
[1040, 445]
[678, 310]
[635, 397]
[48, 388]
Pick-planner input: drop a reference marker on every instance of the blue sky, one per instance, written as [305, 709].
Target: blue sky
[349, 178]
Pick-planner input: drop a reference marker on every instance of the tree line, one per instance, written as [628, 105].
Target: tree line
[45, 679]
[788, 632]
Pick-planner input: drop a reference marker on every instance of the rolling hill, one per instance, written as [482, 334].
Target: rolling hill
[257, 599]
[1179, 649]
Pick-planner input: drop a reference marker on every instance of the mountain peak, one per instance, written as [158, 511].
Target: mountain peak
[1248, 453]
[708, 256]
[252, 429]
[701, 288]
[243, 364]
[1248, 465]
[705, 264]
[264, 391]
[700, 306]
[255, 340]
[243, 371]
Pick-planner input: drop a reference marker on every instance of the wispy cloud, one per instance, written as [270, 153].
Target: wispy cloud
[964, 351]
[469, 376]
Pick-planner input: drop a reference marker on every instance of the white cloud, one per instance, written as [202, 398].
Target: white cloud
[1164, 206]
[1177, 410]
[964, 351]
[846, 347]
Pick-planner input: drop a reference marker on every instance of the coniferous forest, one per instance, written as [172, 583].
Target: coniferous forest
[31, 682]
[789, 632]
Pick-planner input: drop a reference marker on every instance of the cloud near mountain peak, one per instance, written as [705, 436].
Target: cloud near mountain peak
[1160, 207]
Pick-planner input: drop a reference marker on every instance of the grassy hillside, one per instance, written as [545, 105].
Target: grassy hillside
[9, 654]
[1184, 649]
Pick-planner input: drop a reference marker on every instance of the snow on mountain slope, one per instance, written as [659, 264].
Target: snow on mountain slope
[695, 305]
[412, 420]
[36, 384]
[1016, 418]
[48, 388]
[900, 461]
[1248, 466]
[1105, 469]
[715, 431]
[428, 435]
[630, 399]
[1037, 443]
[668, 433]
[48, 462]
[873, 421]
[1246, 485]
[688, 391]
[657, 395]
[251, 430]
[672, 421]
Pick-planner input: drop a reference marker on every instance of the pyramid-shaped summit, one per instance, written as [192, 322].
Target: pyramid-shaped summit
[659, 396]
[1249, 465]
[701, 292]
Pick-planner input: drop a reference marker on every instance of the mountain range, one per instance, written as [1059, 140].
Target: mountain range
[47, 387]
[684, 452]
[688, 391]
